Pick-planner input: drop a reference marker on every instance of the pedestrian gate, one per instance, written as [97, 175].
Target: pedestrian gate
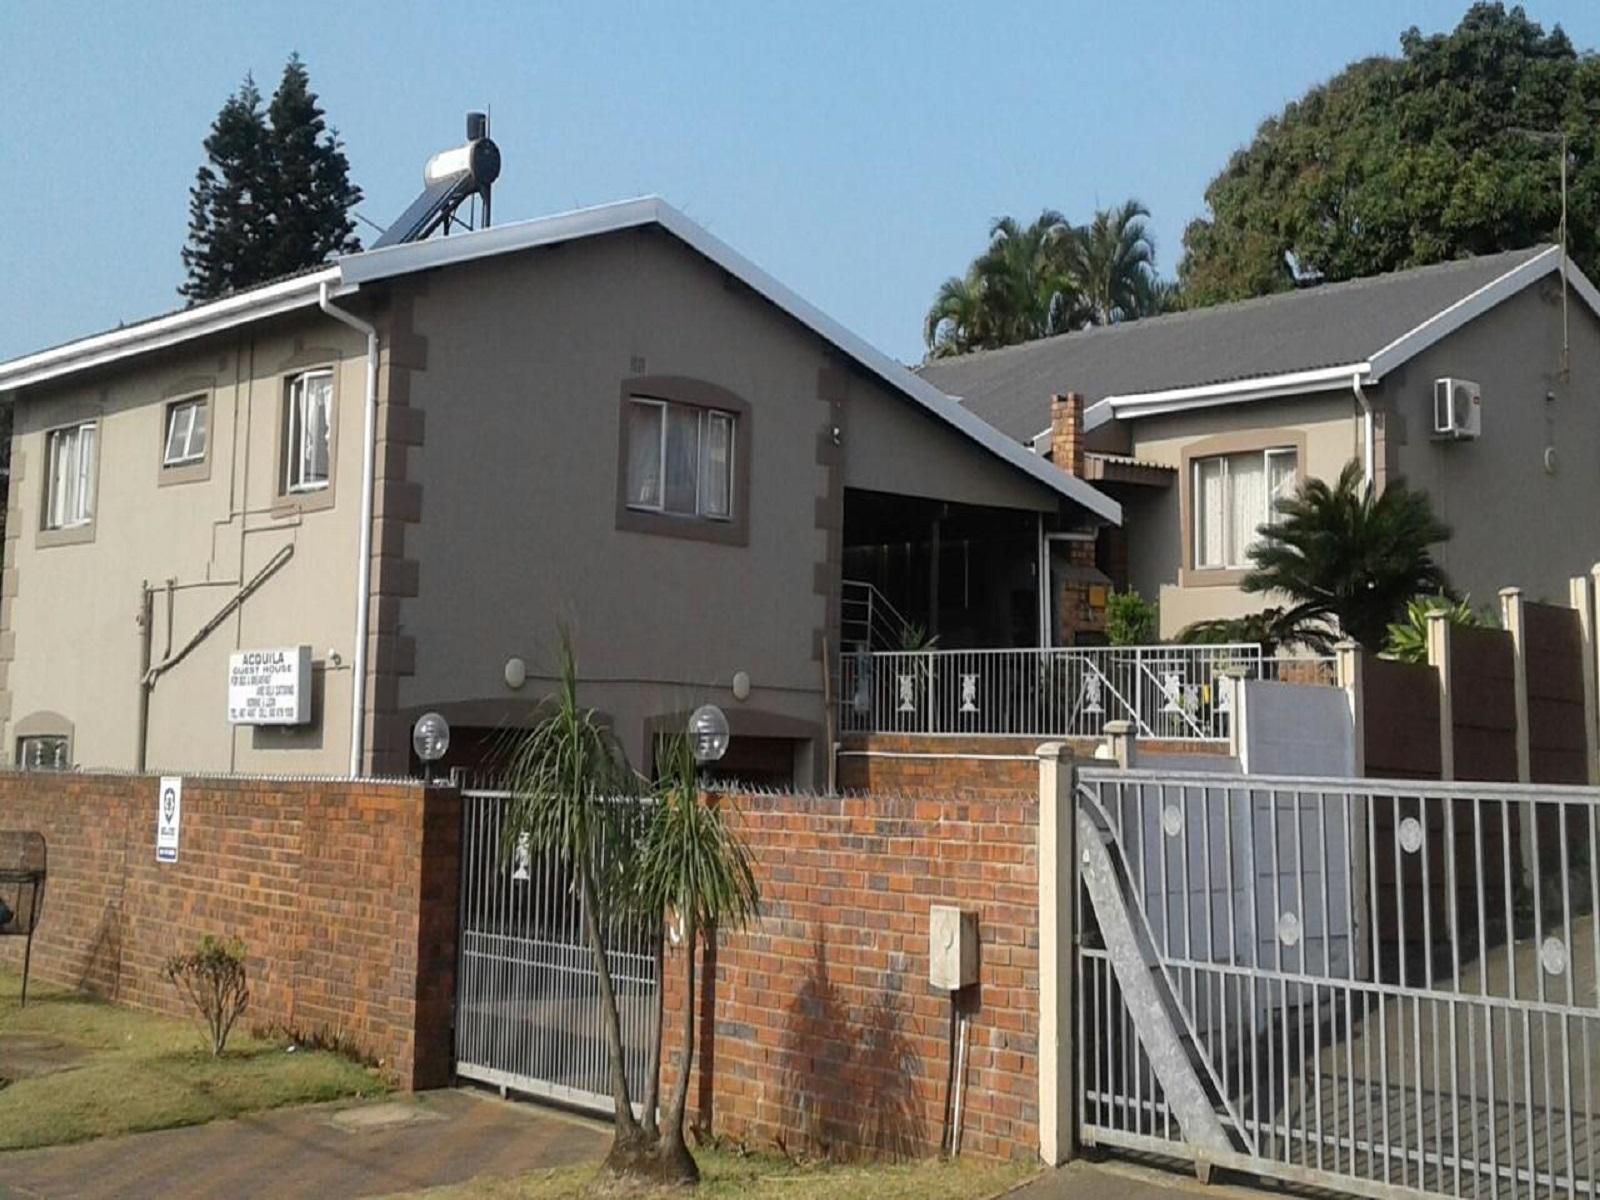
[528, 1011]
[1383, 987]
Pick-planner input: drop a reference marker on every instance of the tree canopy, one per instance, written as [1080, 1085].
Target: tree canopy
[1451, 149]
[274, 194]
[1048, 277]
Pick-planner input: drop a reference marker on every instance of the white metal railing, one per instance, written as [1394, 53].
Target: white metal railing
[1167, 692]
[1385, 987]
[866, 618]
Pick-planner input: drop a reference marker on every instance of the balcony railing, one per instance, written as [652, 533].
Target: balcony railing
[1168, 692]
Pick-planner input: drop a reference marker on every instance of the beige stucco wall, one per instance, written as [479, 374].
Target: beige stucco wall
[1515, 522]
[73, 615]
[526, 361]
[1328, 426]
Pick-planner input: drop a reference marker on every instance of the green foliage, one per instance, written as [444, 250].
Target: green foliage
[1130, 619]
[213, 978]
[1347, 560]
[1272, 628]
[1046, 278]
[1407, 639]
[274, 195]
[914, 636]
[1400, 162]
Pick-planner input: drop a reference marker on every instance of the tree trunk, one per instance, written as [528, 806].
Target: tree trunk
[675, 1163]
[628, 1146]
[652, 1079]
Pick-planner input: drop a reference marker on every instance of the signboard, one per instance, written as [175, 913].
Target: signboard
[270, 687]
[169, 815]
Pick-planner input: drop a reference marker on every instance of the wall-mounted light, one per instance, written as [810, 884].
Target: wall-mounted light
[516, 673]
[741, 685]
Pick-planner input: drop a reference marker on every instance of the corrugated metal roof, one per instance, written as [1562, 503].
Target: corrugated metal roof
[1326, 326]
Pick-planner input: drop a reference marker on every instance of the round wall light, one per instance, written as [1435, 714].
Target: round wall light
[516, 673]
[741, 685]
[430, 737]
[708, 733]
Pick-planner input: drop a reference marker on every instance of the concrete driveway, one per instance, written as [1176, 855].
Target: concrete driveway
[329, 1152]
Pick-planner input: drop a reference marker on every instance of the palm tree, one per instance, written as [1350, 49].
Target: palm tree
[571, 797]
[1113, 262]
[1017, 290]
[953, 323]
[692, 866]
[1349, 559]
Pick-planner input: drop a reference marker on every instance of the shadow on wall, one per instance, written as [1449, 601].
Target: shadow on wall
[850, 1079]
[101, 974]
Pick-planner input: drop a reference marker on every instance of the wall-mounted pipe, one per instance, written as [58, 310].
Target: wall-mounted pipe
[358, 659]
[1369, 438]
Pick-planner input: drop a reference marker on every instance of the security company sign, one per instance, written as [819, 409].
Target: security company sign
[169, 814]
[270, 687]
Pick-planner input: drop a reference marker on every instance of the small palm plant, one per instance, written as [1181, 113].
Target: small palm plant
[1408, 638]
[694, 868]
[1347, 558]
[572, 797]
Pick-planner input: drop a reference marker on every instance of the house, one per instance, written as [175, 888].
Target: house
[266, 533]
[1477, 381]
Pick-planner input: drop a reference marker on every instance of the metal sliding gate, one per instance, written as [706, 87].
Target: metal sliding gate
[1383, 987]
[528, 1012]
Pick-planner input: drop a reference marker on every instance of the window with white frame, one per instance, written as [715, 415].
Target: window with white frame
[42, 753]
[1234, 495]
[69, 476]
[680, 459]
[186, 433]
[307, 437]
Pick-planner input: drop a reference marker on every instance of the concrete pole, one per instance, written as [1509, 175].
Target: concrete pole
[1058, 894]
[1582, 599]
[1513, 618]
[1352, 678]
[1439, 660]
[1123, 738]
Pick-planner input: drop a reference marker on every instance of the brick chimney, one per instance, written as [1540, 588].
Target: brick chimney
[1066, 432]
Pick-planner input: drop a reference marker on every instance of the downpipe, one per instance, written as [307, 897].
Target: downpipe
[358, 659]
[1369, 438]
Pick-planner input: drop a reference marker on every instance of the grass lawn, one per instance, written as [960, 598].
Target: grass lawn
[724, 1176]
[85, 1069]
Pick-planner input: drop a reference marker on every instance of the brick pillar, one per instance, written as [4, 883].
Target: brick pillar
[1066, 432]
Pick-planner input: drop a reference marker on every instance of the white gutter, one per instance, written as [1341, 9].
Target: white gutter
[1369, 439]
[358, 664]
[284, 296]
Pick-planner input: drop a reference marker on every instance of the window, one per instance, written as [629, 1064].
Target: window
[46, 753]
[186, 433]
[680, 459]
[1235, 494]
[310, 420]
[69, 477]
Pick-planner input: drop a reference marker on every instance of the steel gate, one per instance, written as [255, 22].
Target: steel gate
[1384, 987]
[528, 1012]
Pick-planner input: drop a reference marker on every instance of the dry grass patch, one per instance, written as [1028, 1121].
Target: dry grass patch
[73, 1068]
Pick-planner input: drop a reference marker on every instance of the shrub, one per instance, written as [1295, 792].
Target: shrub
[213, 979]
[1407, 640]
[1130, 619]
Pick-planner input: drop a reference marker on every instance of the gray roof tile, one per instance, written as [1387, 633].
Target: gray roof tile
[1324, 326]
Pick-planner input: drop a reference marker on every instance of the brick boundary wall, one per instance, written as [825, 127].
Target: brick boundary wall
[344, 892]
[825, 1035]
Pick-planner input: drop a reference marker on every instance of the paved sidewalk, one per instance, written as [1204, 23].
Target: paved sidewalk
[327, 1152]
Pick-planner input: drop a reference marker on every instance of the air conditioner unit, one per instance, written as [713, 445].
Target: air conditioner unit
[1457, 409]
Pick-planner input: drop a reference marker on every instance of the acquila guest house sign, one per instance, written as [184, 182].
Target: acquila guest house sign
[270, 687]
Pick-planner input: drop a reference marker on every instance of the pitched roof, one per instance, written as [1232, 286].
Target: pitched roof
[346, 275]
[1370, 325]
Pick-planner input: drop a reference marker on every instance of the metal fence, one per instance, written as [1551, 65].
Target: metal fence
[1385, 987]
[528, 1011]
[1167, 692]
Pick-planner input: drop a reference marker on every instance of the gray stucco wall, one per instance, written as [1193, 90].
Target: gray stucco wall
[526, 361]
[70, 611]
[1516, 522]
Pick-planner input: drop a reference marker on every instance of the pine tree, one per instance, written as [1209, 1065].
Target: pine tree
[274, 195]
[229, 217]
[314, 194]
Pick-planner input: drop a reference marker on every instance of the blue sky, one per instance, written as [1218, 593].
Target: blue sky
[856, 151]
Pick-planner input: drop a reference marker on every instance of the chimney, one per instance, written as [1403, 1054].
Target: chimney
[1066, 432]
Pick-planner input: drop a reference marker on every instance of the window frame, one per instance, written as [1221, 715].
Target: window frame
[194, 406]
[704, 415]
[195, 468]
[294, 446]
[24, 740]
[290, 501]
[1261, 442]
[686, 392]
[81, 529]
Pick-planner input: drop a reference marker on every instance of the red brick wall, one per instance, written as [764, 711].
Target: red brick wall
[825, 1034]
[344, 893]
